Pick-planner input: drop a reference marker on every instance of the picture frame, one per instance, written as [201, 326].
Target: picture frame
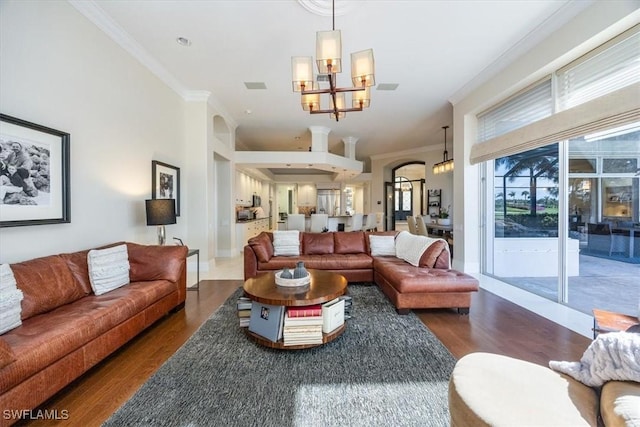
[165, 182]
[34, 174]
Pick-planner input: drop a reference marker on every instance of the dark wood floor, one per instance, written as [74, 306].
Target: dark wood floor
[493, 325]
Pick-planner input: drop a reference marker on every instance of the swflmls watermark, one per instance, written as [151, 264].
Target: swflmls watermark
[35, 414]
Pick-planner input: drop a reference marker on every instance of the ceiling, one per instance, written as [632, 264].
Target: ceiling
[435, 51]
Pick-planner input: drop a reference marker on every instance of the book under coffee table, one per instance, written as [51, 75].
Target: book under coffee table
[324, 286]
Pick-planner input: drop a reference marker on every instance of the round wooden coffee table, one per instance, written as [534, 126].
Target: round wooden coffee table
[324, 287]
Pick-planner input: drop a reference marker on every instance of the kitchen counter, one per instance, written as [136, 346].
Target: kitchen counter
[244, 221]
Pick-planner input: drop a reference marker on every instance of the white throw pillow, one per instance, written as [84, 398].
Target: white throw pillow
[108, 268]
[410, 247]
[10, 298]
[382, 245]
[286, 243]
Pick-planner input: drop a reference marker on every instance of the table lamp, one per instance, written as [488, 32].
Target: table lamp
[161, 212]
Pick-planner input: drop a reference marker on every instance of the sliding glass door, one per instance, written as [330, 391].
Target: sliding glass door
[565, 221]
[604, 220]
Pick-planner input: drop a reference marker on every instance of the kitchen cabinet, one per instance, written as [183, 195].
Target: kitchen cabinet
[246, 187]
[248, 229]
[306, 195]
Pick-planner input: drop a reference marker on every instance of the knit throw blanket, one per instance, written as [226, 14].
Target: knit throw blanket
[614, 356]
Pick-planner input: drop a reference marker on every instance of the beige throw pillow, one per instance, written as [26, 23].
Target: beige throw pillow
[10, 300]
[108, 268]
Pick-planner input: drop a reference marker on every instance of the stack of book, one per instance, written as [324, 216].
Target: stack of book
[303, 325]
[244, 311]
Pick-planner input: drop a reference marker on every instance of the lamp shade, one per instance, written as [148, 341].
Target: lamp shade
[361, 97]
[311, 102]
[302, 72]
[161, 211]
[329, 51]
[363, 68]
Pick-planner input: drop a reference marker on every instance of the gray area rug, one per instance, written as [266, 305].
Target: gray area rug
[385, 370]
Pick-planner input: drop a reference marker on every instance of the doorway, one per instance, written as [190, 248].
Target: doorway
[407, 194]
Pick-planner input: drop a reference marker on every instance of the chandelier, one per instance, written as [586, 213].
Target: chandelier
[329, 63]
[446, 165]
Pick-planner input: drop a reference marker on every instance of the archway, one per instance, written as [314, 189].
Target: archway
[405, 194]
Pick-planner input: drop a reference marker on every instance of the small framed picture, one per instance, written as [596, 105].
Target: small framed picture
[34, 174]
[165, 182]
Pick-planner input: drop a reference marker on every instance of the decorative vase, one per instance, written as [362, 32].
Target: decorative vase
[444, 221]
[286, 274]
[299, 272]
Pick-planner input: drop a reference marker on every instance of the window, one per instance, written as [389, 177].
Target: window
[619, 165]
[582, 165]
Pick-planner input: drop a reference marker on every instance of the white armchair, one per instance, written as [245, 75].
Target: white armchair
[319, 222]
[295, 222]
[372, 222]
[356, 222]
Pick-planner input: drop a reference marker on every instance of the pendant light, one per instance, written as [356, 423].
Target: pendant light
[446, 165]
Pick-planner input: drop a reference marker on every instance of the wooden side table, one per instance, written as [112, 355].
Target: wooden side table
[609, 321]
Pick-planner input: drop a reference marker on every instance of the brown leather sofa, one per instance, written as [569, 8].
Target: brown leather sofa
[66, 329]
[430, 285]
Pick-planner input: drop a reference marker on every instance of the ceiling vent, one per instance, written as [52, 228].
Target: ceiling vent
[387, 86]
[255, 85]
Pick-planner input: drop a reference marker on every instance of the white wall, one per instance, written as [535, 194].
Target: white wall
[59, 70]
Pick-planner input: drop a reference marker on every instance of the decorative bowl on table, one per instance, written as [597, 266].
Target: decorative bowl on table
[292, 283]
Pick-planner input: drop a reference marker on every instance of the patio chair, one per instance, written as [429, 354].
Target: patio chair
[601, 239]
[411, 223]
[295, 222]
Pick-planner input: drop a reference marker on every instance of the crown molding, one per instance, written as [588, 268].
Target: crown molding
[94, 13]
[196, 95]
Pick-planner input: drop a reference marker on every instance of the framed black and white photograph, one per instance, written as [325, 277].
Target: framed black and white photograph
[165, 182]
[34, 174]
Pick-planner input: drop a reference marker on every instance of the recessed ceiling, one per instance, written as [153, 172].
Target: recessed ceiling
[431, 49]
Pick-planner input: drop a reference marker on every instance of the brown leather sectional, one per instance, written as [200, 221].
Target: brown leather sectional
[66, 329]
[430, 285]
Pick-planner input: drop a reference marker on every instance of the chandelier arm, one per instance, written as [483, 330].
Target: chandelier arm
[335, 89]
[332, 91]
[339, 110]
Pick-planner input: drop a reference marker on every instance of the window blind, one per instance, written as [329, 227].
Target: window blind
[609, 111]
[609, 67]
[529, 105]
[598, 91]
